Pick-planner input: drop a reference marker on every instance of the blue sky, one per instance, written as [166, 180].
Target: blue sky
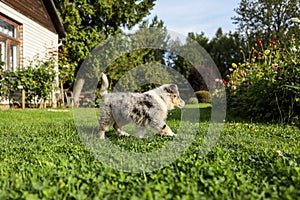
[184, 16]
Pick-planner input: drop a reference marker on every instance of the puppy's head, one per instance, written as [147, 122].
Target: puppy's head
[173, 93]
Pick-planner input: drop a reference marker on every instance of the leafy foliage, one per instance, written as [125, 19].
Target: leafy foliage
[37, 80]
[203, 96]
[267, 19]
[193, 100]
[156, 33]
[266, 85]
[43, 158]
[88, 23]
[223, 49]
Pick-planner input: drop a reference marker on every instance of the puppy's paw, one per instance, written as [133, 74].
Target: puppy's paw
[101, 135]
[167, 131]
[171, 133]
[123, 133]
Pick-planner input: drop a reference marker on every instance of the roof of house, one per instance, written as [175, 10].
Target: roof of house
[41, 11]
[49, 4]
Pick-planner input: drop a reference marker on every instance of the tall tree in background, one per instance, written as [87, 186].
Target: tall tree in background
[89, 22]
[267, 19]
[149, 33]
[181, 64]
[225, 50]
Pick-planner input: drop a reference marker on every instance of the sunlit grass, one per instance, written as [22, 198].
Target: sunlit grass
[42, 156]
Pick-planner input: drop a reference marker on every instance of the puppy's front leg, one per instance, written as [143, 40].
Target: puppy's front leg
[162, 127]
[166, 130]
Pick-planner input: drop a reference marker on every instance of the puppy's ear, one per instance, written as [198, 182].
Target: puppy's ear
[172, 89]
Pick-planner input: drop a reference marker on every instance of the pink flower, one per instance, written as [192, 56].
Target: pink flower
[275, 67]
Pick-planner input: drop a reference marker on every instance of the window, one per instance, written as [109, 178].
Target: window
[9, 44]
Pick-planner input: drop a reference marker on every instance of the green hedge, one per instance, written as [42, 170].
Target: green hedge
[203, 96]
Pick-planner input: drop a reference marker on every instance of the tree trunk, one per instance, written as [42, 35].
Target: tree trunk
[62, 94]
[77, 89]
[53, 100]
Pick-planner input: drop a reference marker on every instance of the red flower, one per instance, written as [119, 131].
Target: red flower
[223, 81]
[233, 79]
[241, 74]
[259, 42]
[272, 42]
[259, 55]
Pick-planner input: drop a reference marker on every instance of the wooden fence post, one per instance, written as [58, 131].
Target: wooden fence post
[23, 95]
[23, 98]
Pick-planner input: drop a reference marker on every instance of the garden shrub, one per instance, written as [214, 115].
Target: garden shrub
[266, 86]
[203, 96]
[37, 80]
[193, 100]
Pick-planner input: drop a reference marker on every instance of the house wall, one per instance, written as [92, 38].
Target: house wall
[36, 40]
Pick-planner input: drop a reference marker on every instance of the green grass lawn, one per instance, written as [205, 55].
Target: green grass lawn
[43, 157]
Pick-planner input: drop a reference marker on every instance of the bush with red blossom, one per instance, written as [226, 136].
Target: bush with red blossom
[266, 86]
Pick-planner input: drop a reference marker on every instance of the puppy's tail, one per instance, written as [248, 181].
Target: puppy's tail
[104, 85]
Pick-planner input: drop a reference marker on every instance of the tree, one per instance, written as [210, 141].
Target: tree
[225, 50]
[201, 39]
[182, 65]
[152, 34]
[189, 52]
[267, 19]
[89, 22]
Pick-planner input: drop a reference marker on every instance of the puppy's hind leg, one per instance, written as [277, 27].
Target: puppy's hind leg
[119, 130]
[102, 131]
[104, 124]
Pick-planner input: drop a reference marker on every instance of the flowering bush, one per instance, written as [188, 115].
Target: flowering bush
[267, 84]
[37, 80]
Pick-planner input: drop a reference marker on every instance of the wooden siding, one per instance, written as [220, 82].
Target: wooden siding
[35, 38]
[33, 9]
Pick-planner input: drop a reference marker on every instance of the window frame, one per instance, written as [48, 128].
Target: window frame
[9, 41]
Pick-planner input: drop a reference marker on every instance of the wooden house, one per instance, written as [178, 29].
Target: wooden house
[28, 29]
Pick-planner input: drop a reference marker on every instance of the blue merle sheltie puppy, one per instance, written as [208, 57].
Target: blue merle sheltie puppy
[142, 109]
